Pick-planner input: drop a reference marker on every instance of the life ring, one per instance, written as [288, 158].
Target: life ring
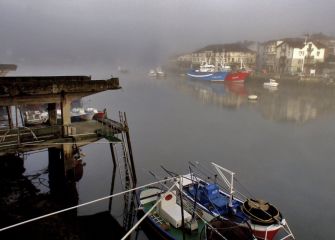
[261, 212]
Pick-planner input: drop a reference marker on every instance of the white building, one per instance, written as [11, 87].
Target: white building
[298, 56]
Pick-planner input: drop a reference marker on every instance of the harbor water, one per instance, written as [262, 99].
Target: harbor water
[281, 145]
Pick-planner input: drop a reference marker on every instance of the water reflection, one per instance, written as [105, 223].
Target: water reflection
[297, 102]
[26, 196]
[220, 94]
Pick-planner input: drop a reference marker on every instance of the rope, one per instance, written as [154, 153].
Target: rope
[84, 204]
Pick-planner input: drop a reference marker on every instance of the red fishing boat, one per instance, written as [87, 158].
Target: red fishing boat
[238, 76]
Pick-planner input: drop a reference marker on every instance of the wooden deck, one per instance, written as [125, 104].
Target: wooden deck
[41, 136]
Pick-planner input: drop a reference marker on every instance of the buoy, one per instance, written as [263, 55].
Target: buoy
[252, 97]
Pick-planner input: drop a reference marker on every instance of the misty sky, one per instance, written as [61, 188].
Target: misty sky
[138, 31]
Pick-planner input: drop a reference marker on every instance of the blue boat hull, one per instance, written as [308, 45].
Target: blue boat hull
[208, 76]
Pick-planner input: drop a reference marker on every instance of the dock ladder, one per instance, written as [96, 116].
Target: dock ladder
[117, 133]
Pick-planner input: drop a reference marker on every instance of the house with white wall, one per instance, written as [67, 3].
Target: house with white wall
[296, 56]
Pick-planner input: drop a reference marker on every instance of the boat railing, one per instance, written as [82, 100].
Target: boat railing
[223, 183]
[229, 182]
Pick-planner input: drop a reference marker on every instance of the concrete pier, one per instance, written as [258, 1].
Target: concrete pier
[53, 91]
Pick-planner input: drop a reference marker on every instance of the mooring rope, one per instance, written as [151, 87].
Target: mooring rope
[84, 204]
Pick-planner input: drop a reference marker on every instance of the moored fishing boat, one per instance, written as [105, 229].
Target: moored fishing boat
[211, 199]
[238, 76]
[170, 220]
[208, 72]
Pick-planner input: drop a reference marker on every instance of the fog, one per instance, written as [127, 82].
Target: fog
[77, 32]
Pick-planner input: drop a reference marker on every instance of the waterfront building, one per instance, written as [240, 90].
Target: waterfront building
[226, 54]
[295, 56]
[268, 55]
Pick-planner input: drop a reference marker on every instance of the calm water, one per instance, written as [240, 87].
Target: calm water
[281, 146]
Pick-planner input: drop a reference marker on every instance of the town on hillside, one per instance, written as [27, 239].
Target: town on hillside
[311, 55]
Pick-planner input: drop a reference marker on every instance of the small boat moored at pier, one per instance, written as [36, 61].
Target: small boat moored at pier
[82, 114]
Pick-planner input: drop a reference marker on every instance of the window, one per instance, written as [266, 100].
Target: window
[318, 53]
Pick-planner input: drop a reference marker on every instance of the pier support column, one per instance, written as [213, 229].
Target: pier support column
[56, 172]
[69, 162]
[9, 114]
[52, 113]
[61, 188]
[66, 114]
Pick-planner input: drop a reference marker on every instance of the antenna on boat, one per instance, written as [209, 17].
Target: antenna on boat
[230, 184]
[200, 171]
[172, 174]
